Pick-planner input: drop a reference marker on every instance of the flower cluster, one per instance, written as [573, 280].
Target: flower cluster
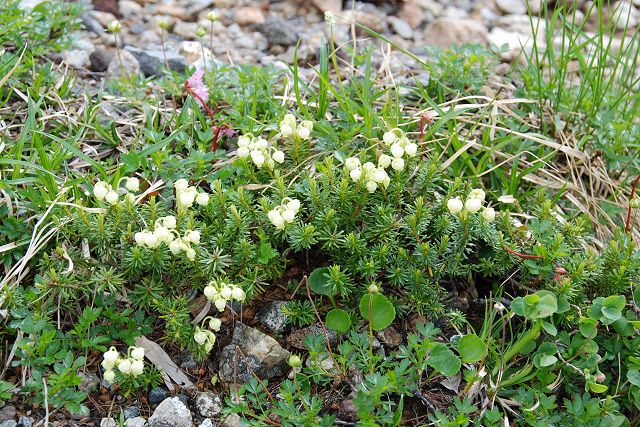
[103, 191]
[261, 153]
[370, 174]
[187, 194]
[399, 145]
[220, 293]
[285, 213]
[206, 337]
[165, 232]
[472, 204]
[290, 129]
[132, 365]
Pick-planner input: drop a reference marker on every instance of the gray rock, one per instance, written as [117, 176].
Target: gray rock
[128, 67]
[297, 338]
[206, 423]
[131, 412]
[279, 32]
[186, 30]
[401, 27]
[91, 24]
[232, 420]
[188, 362]
[90, 382]
[76, 58]
[135, 422]
[157, 395]
[130, 9]
[9, 423]
[443, 32]
[100, 60]
[152, 61]
[208, 404]
[272, 318]
[25, 421]
[171, 413]
[513, 7]
[8, 412]
[108, 422]
[252, 352]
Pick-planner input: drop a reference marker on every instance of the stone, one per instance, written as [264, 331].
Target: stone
[135, 422]
[91, 24]
[192, 52]
[187, 361]
[232, 420]
[297, 338]
[104, 18]
[90, 382]
[108, 422]
[8, 412]
[625, 15]
[513, 42]
[208, 404]
[512, 7]
[157, 395]
[258, 354]
[401, 27]
[443, 32]
[129, 65]
[186, 30]
[99, 60]
[130, 9]
[249, 15]
[25, 421]
[76, 58]
[9, 423]
[412, 13]
[131, 412]
[272, 317]
[171, 412]
[152, 61]
[334, 6]
[206, 423]
[279, 32]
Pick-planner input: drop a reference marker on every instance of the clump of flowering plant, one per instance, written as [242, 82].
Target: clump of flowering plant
[258, 149]
[285, 213]
[473, 204]
[220, 293]
[132, 364]
[289, 128]
[103, 191]
[205, 336]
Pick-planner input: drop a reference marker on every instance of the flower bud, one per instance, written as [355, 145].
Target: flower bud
[181, 184]
[304, 133]
[114, 26]
[454, 205]
[137, 353]
[109, 376]
[200, 337]
[202, 199]
[278, 221]
[489, 214]
[352, 163]
[389, 138]
[194, 236]
[169, 221]
[132, 184]
[257, 157]
[191, 254]
[397, 164]
[295, 361]
[137, 366]
[288, 215]
[507, 198]
[215, 324]
[111, 197]
[384, 161]
[210, 292]
[278, 156]
[294, 205]
[220, 304]
[213, 16]
[100, 190]
[635, 202]
[371, 186]
[186, 198]
[411, 149]
[125, 366]
[226, 292]
[397, 151]
[286, 130]
[373, 288]
[163, 24]
[111, 356]
[238, 294]
[473, 205]
[355, 174]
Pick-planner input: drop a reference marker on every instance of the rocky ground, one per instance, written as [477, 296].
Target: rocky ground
[264, 32]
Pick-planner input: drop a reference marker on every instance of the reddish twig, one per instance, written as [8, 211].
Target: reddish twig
[425, 120]
[216, 129]
[633, 193]
[518, 254]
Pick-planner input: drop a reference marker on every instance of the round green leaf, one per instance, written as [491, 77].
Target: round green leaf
[378, 310]
[444, 360]
[338, 320]
[547, 360]
[588, 327]
[633, 375]
[319, 282]
[471, 348]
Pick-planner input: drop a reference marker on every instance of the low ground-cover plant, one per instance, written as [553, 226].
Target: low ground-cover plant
[346, 204]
